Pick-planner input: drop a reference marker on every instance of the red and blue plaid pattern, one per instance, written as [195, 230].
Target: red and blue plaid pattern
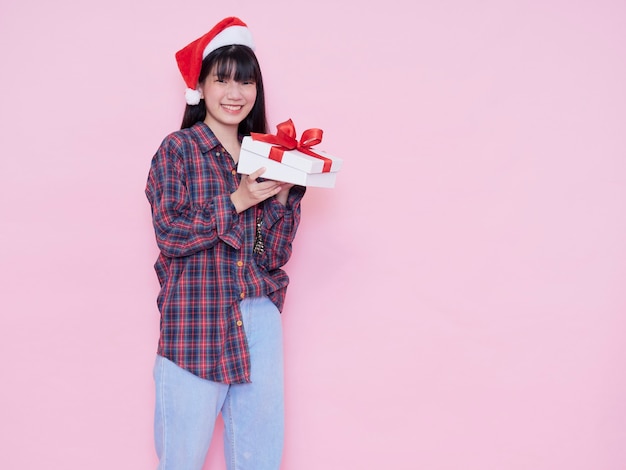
[206, 264]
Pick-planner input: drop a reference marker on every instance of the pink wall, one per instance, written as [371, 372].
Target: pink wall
[457, 301]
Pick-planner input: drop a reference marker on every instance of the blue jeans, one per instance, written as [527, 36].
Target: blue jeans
[187, 406]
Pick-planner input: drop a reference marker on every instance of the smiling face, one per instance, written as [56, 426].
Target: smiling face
[228, 97]
[231, 86]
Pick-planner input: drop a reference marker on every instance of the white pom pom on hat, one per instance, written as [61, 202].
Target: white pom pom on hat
[192, 96]
[227, 32]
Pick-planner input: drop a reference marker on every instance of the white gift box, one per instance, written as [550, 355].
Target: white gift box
[295, 167]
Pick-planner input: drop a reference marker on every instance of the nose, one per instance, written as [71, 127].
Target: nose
[234, 90]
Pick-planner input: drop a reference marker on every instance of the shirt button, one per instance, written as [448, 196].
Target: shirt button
[242, 295]
[240, 263]
[217, 153]
[234, 172]
[239, 323]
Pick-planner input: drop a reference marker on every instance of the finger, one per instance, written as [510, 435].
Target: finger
[264, 189]
[257, 173]
[267, 185]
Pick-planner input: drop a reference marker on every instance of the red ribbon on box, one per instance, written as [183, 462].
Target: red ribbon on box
[285, 139]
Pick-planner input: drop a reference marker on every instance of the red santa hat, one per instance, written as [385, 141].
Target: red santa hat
[227, 32]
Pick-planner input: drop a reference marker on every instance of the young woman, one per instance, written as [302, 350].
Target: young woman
[223, 238]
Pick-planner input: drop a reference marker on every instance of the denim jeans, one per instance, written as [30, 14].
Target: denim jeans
[253, 413]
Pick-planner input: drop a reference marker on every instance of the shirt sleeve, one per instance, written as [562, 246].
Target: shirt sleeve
[280, 224]
[183, 228]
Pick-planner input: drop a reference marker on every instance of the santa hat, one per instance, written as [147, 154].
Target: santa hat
[227, 32]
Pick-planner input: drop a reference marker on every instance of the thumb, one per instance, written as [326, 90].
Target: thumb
[257, 173]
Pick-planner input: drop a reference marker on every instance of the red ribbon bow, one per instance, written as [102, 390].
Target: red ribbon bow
[285, 139]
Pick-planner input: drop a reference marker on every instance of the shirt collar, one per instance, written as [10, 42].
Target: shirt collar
[205, 137]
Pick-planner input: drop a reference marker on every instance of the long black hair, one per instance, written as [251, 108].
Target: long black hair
[241, 62]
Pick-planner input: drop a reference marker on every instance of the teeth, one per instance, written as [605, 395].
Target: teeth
[231, 107]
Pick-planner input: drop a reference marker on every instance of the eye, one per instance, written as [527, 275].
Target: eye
[217, 78]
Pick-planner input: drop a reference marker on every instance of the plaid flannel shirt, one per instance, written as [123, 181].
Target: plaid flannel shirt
[206, 264]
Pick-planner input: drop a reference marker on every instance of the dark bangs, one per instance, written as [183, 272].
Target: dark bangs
[236, 62]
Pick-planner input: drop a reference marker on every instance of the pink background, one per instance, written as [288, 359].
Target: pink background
[457, 301]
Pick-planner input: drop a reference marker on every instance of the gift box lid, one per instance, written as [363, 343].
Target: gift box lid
[294, 158]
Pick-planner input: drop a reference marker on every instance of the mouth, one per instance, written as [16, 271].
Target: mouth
[232, 107]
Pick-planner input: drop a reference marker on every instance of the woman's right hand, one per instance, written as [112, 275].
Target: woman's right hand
[250, 191]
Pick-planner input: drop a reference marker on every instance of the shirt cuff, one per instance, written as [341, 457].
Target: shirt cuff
[227, 223]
